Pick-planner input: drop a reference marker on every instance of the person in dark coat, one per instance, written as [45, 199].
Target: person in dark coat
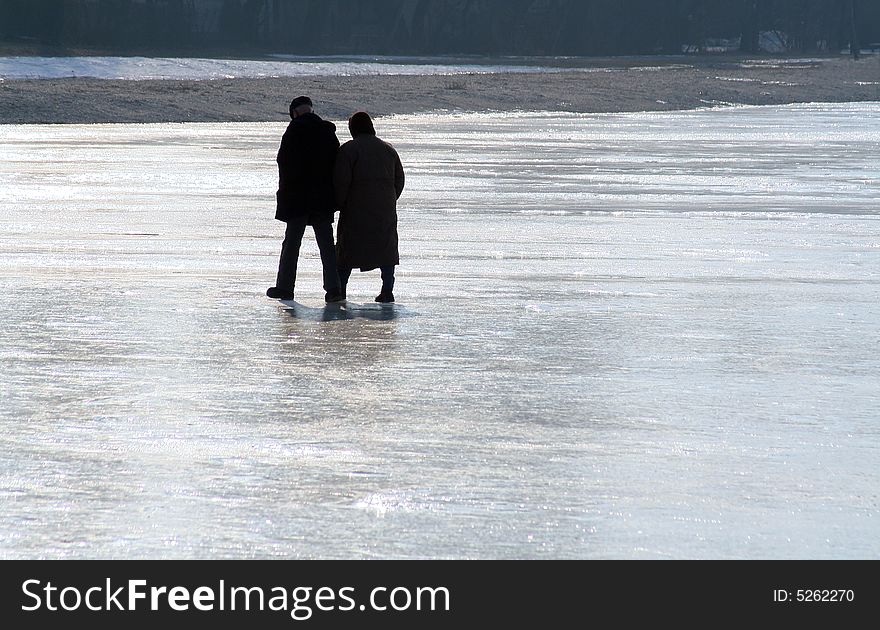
[367, 180]
[305, 196]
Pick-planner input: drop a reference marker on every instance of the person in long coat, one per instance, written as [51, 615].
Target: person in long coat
[305, 196]
[368, 179]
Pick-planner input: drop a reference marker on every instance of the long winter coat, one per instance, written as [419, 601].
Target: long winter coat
[367, 179]
[305, 169]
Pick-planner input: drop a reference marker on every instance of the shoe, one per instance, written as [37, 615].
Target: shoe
[385, 297]
[335, 296]
[279, 294]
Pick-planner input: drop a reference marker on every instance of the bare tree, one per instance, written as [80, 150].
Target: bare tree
[749, 39]
[854, 44]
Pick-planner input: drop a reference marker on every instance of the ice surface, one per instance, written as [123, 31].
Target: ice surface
[616, 336]
[141, 68]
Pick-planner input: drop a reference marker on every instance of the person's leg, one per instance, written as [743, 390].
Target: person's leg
[344, 275]
[386, 295]
[387, 278]
[324, 237]
[286, 279]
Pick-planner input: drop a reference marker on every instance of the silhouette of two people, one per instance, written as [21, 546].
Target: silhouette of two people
[362, 179]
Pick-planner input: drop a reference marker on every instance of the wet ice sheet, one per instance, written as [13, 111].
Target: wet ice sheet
[617, 336]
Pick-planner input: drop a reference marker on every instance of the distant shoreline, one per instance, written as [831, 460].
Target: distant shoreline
[664, 84]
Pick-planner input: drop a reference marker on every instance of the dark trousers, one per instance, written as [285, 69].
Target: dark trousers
[293, 236]
[387, 277]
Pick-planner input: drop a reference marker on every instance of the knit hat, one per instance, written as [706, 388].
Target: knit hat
[298, 102]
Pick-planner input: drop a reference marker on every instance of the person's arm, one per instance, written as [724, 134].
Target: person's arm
[285, 151]
[292, 156]
[399, 177]
[341, 178]
[281, 158]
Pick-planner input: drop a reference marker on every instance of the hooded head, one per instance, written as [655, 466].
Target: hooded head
[300, 105]
[361, 124]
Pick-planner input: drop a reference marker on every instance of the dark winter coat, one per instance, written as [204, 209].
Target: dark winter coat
[367, 179]
[305, 169]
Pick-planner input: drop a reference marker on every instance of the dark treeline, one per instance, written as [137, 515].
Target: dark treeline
[487, 27]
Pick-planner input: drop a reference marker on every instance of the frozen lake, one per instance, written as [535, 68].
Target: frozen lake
[617, 336]
[280, 65]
